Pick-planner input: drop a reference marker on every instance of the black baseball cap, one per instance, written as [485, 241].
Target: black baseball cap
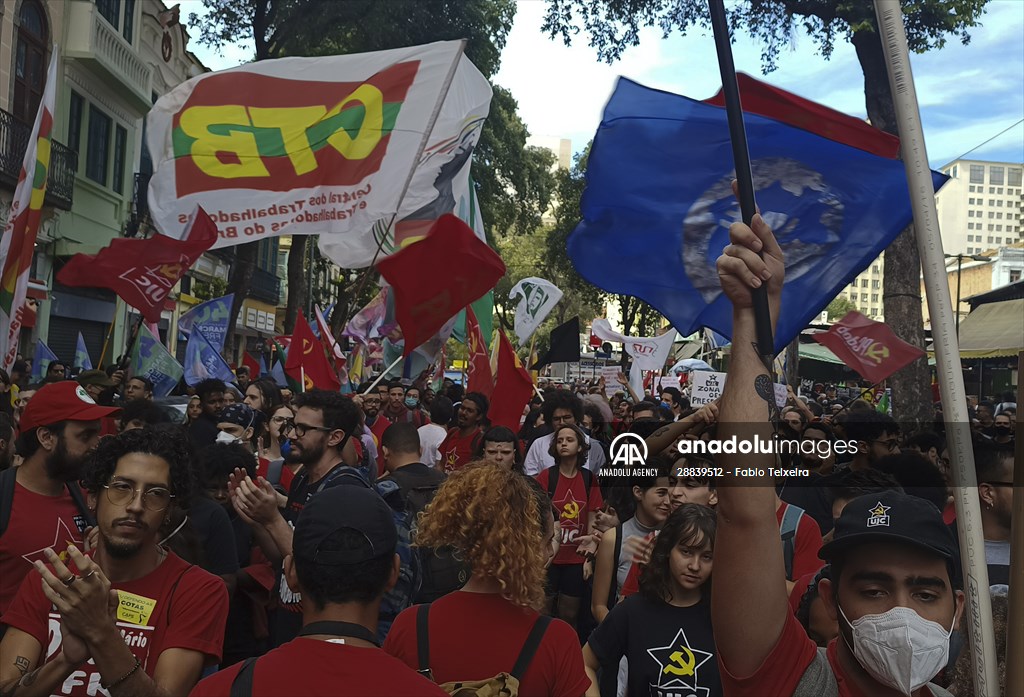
[890, 516]
[339, 508]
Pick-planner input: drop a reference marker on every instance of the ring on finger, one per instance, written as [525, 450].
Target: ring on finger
[69, 580]
[89, 575]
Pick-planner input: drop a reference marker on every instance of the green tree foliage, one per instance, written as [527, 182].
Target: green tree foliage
[514, 182]
[838, 308]
[614, 25]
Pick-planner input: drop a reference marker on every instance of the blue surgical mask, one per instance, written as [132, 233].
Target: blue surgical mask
[666, 405]
[411, 402]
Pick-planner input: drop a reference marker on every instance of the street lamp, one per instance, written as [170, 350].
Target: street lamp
[959, 262]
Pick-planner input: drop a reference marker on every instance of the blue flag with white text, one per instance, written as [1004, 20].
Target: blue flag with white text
[82, 359]
[203, 360]
[211, 317]
[658, 205]
[152, 360]
[41, 359]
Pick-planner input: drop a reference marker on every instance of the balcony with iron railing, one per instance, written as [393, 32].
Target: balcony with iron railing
[139, 223]
[99, 46]
[60, 177]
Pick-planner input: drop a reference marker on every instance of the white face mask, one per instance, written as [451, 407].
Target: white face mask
[899, 648]
[225, 437]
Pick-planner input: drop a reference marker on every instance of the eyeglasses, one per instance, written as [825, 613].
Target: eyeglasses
[123, 493]
[279, 419]
[302, 429]
[891, 445]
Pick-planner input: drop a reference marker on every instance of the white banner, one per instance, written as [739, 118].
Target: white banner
[301, 145]
[648, 352]
[537, 298]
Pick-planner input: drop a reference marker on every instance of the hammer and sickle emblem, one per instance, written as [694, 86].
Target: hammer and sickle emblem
[308, 382]
[680, 666]
[307, 346]
[877, 352]
[571, 510]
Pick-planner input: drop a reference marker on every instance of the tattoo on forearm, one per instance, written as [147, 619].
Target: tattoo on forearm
[27, 679]
[22, 664]
[766, 391]
[660, 432]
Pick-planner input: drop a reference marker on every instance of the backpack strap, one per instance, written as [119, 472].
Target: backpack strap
[613, 591]
[423, 641]
[7, 480]
[787, 530]
[553, 474]
[83, 508]
[241, 686]
[274, 471]
[588, 480]
[531, 646]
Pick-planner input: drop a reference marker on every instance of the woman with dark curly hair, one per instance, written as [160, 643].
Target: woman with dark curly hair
[665, 631]
[168, 623]
[502, 525]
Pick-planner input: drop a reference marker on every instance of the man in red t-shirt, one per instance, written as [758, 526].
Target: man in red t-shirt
[168, 622]
[343, 560]
[891, 588]
[58, 427]
[459, 445]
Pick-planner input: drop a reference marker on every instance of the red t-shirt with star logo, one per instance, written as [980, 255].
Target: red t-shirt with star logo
[36, 522]
[573, 503]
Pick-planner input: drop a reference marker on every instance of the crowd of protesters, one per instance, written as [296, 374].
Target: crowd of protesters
[393, 542]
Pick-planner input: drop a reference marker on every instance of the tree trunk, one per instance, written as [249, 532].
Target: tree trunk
[793, 364]
[298, 284]
[241, 279]
[911, 389]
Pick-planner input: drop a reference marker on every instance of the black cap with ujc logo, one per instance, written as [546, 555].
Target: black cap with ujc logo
[890, 516]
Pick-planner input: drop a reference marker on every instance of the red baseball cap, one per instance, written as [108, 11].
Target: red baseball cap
[61, 401]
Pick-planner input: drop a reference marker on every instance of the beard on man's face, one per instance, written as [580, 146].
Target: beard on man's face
[305, 455]
[120, 550]
[61, 465]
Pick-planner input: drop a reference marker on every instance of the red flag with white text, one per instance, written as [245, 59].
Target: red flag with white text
[142, 271]
[867, 346]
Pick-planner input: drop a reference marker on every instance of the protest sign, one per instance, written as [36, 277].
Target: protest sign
[707, 387]
[610, 373]
[668, 381]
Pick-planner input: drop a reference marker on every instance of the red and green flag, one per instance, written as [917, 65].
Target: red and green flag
[19, 237]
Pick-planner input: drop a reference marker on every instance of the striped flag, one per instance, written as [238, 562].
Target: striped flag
[19, 238]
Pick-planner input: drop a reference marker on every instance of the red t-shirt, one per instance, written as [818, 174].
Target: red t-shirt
[457, 450]
[806, 544]
[36, 522]
[315, 668]
[176, 606]
[458, 651]
[572, 500]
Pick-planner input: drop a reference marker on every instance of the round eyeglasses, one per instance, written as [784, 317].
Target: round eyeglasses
[122, 494]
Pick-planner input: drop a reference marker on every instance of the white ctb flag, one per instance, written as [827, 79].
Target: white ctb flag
[537, 298]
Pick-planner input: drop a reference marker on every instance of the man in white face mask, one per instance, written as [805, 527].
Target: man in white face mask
[892, 591]
[236, 423]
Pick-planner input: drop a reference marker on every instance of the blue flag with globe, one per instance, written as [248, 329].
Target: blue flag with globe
[658, 205]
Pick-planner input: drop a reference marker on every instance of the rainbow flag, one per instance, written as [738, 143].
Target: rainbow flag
[19, 238]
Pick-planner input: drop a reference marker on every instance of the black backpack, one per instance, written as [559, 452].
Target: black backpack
[442, 572]
[7, 480]
[588, 480]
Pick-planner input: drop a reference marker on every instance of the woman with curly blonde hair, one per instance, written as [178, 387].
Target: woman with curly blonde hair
[502, 524]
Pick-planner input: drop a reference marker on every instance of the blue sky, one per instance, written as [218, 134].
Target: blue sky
[967, 94]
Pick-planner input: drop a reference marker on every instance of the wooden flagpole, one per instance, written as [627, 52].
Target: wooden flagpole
[947, 347]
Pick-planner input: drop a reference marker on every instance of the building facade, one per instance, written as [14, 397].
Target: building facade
[980, 210]
[990, 270]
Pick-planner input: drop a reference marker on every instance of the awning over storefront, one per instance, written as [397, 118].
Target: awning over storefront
[994, 329]
[817, 352]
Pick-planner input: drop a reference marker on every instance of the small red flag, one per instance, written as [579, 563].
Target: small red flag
[513, 388]
[307, 361]
[868, 347]
[252, 364]
[435, 278]
[142, 272]
[479, 377]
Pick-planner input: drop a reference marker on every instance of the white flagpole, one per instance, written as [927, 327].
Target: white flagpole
[947, 349]
[381, 376]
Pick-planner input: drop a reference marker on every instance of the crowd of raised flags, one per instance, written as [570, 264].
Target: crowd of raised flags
[389, 188]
